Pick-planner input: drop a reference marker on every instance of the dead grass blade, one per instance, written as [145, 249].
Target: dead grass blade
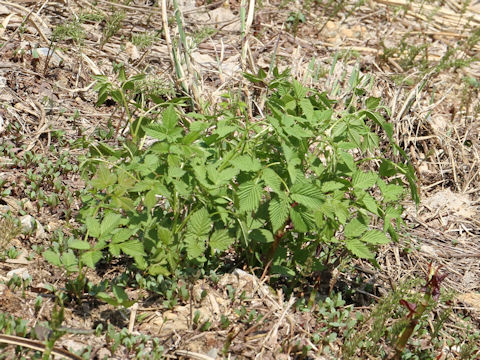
[36, 345]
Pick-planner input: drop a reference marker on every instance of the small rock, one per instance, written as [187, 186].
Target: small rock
[22, 272]
[132, 51]
[213, 353]
[52, 226]
[40, 231]
[4, 209]
[55, 59]
[28, 206]
[104, 353]
[428, 250]
[73, 345]
[28, 223]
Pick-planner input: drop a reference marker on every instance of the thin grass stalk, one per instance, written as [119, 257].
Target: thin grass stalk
[176, 64]
[243, 26]
[246, 23]
[184, 48]
[167, 33]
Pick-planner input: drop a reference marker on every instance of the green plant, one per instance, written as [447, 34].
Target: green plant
[293, 21]
[9, 229]
[23, 282]
[128, 94]
[12, 252]
[13, 325]
[112, 25]
[416, 310]
[145, 39]
[306, 180]
[43, 175]
[93, 16]
[140, 346]
[71, 30]
[385, 329]
[67, 31]
[54, 324]
[61, 254]
[119, 297]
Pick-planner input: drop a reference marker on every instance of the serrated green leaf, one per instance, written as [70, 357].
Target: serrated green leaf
[388, 168]
[124, 183]
[370, 204]
[375, 237]
[387, 127]
[195, 246]
[164, 235]
[295, 173]
[105, 150]
[158, 270]
[290, 155]
[392, 192]
[119, 293]
[339, 128]
[298, 132]
[298, 221]
[364, 180]
[93, 226]
[246, 163]
[169, 118]
[307, 109]
[150, 199]
[249, 195]
[370, 141]
[261, 236]
[226, 175]
[123, 202]
[107, 298]
[223, 128]
[220, 240]
[348, 160]
[307, 194]
[199, 223]
[272, 180]
[359, 249]
[282, 270]
[299, 90]
[372, 103]
[133, 248]
[90, 258]
[335, 209]
[278, 210]
[156, 131]
[117, 96]
[114, 249]
[175, 172]
[52, 257]
[109, 222]
[159, 147]
[78, 244]
[219, 178]
[392, 213]
[324, 115]
[329, 186]
[309, 202]
[354, 228]
[103, 178]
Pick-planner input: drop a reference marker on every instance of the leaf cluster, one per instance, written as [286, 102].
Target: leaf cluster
[304, 180]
